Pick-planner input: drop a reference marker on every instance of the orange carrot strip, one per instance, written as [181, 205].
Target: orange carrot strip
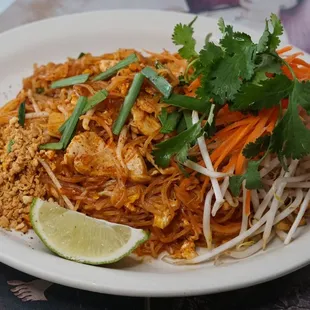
[194, 85]
[229, 229]
[284, 49]
[231, 163]
[248, 203]
[301, 62]
[240, 134]
[222, 134]
[290, 58]
[256, 133]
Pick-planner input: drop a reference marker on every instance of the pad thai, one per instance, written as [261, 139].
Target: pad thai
[205, 149]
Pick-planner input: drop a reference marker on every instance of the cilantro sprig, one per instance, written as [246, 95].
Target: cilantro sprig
[248, 77]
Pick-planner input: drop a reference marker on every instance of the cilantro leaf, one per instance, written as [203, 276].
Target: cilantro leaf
[264, 39]
[303, 90]
[253, 149]
[251, 177]
[170, 121]
[225, 79]
[266, 63]
[291, 138]
[269, 41]
[209, 55]
[178, 145]
[226, 66]
[274, 40]
[183, 35]
[266, 95]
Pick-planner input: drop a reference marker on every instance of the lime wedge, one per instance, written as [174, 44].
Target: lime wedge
[80, 238]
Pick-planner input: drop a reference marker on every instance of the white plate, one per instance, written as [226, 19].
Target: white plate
[101, 32]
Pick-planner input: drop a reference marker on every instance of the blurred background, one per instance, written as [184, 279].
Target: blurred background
[252, 13]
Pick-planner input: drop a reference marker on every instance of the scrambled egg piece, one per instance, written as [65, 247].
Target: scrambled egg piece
[106, 64]
[162, 221]
[55, 120]
[144, 122]
[188, 250]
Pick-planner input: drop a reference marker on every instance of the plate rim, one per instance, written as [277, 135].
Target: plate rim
[159, 290]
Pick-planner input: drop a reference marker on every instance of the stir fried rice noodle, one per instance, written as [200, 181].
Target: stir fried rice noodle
[115, 178]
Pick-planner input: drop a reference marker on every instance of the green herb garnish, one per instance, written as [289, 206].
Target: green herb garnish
[10, 144]
[81, 55]
[129, 101]
[113, 70]
[78, 79]
[158, 81]
[69, 129]
[91, 103]
[188, 103]
[40, 90]
[22, 114]
[178, 145]
[248, 77]
[169, 121]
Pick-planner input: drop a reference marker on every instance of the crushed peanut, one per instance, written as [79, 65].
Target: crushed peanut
[20, 173]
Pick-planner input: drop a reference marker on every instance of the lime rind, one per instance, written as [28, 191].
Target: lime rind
[137, 236]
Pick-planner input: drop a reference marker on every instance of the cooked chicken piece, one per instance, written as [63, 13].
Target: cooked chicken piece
[55, 120]
[145, 123]
[106, 64]
[146, 103]
[90, 155]
[136, 166]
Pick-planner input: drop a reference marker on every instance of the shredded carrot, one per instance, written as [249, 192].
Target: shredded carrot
[290, 58]
[224, 132]
[194, 85]
[231, 228]
[248, 203]
[285, 49]
[256, 133]
[301, 62]
[221, 153]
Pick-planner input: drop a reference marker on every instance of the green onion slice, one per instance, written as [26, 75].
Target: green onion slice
[188, 103]
[70, 81]
[22, 114]
[69, 129]
[91, 102]
[10, 144]
[158, 81]
[113, 70]
[128, 103]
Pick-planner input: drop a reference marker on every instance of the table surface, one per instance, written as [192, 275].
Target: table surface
[292, 292]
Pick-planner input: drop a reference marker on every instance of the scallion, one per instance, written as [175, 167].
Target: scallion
[188, 103]
[158, 81]
[81, 55]
[70, 127]
[10, 144]
[188, 118]
[128, 103]
[169, 121]
[91, 102]
[82, 78]
[22, 114]
[39, 90]
[113, 70]
[95, 99]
